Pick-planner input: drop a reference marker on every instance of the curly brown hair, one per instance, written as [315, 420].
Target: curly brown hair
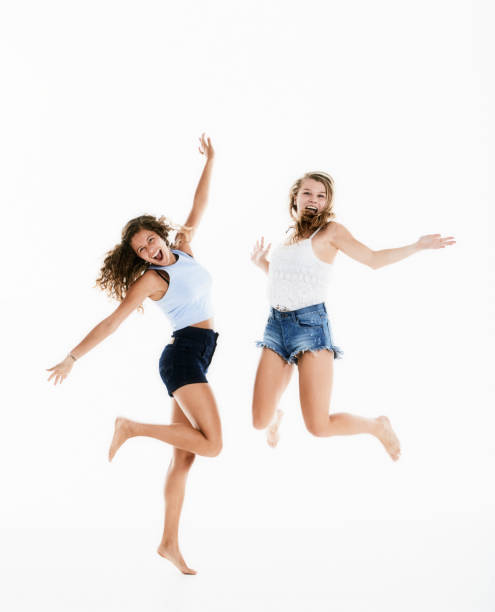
[121, 266]
[308, 223]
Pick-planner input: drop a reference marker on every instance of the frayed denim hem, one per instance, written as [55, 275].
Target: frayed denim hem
[267, 346]
[337, 353]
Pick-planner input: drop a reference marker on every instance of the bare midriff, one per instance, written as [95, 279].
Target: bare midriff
[207, 324]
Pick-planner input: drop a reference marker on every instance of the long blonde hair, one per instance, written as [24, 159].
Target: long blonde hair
[307, 224]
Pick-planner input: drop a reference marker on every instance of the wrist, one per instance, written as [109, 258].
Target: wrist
[71, 357]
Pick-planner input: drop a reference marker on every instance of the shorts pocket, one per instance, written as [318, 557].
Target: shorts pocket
[309, 319]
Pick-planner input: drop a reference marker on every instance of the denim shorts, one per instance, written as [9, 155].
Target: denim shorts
[292, 332]
[186, 358]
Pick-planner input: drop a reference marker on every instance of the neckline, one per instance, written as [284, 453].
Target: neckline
[172, 264]
[298, 242]
[306, 239]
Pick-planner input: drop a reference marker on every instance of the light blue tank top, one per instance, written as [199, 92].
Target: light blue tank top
[188, 297]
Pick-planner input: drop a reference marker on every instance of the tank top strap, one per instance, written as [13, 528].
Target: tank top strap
[315, 232]
[176, 251]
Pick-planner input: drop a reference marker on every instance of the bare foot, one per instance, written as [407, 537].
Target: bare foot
[172, 554]
[272, 435]
[121, 434]
[387, 437]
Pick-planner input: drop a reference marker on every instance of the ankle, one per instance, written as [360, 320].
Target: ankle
[169, 544]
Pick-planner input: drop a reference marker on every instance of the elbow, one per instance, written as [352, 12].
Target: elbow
[374, 261]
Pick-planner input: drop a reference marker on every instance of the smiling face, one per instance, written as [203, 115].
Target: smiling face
[149, 246]
[311, 197]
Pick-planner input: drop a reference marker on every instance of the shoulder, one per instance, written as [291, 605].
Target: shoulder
[157, 283]
[330, 231]
[149, 281]
[187, 253]
[336, 234]
[337, 231]
[333, 227]
[146, 285]
[181, 244]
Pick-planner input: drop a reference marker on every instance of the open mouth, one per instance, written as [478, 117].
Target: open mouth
[158, 256]
[311, 209]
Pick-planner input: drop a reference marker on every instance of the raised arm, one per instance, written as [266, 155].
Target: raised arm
[259, 255]
[343, 239]
[200, 200]
[137, 293]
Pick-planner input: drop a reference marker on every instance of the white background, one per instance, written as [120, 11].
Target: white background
[101, 108]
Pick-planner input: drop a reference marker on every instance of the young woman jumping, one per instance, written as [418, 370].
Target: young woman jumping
[146, 265]
[298, 330]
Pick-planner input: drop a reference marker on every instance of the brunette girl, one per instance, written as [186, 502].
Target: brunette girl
[147, 265]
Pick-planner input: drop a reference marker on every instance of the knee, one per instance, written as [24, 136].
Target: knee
[316, 429]
[259, 421]
[214, 449]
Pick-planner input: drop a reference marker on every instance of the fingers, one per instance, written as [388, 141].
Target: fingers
[435, 241]
[57, 375]
[259, 245]
[205, 147]
[441, 243]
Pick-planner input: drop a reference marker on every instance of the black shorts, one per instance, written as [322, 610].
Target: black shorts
[186, 358]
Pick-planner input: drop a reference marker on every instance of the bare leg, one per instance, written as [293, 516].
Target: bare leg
[203, 438]
[272, 434]
[315, 388]
[272, 377]
[175, 486]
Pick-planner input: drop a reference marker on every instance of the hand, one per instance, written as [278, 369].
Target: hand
[205, 147]
[434, 241]
[259, 253]
[61, 370]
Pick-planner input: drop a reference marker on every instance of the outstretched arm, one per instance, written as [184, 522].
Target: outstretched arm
[201, 195]
[345, 241]
[137, 293]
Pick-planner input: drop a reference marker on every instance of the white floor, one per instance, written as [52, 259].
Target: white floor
[443, 564]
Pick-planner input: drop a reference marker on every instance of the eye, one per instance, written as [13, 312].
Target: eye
[321, 196]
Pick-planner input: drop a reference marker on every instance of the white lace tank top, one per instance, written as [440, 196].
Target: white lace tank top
[296, 277]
